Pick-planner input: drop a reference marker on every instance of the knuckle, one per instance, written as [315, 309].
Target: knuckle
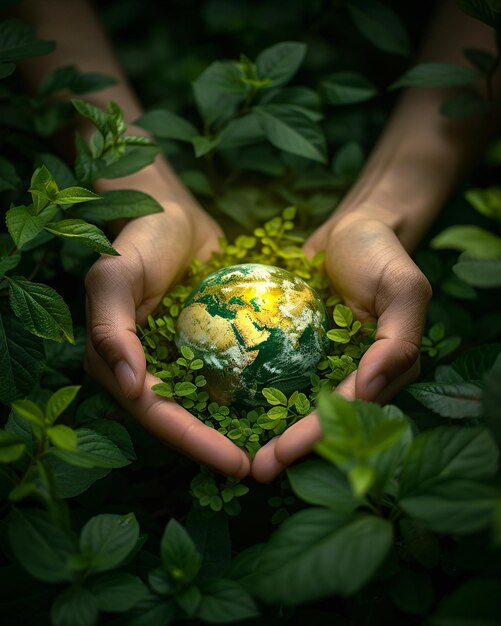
[101, 336]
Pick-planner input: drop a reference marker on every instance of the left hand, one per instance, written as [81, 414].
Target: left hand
[371, 271]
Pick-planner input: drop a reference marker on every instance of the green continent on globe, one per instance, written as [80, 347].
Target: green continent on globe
[254, 326]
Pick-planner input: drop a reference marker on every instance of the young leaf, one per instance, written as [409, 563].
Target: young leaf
[343, 316]
[86, 234]
[167, 125]
[225, 602]
[30, 411]
[11, 447]
[93, 113]
[380, 25]
[74, 606]
[41, 309]
[280, 62]
[40, 546]
[437, 75]
[274, 396]
[106, 540]
[347, 88]
[290, 131]
[63, 437]
[320, 552]
[93, 450]
[486, 201]
[179, 554]
[21, 359]
[72, 195]
[59, 402]
[478, 272]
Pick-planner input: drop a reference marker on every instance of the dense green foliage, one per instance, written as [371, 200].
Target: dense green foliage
[396, 518]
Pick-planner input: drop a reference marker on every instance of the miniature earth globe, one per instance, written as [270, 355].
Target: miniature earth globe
[254, 326]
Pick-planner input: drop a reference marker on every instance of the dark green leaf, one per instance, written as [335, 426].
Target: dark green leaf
[70, 480]
[8, 260]
[6, 69]
[75, 606]
[474, 240]
[449, 400]
[487, 11]
[422, 545]
[69, 77]
[167, 125]
[437, 75]
[106, 540]
[121, 204]
[465, 105]
[179, 554]
[11, 447]
[63, 175]
[290, 131]
[224, 601]
[18, 41]
[23, 224]
[117, 591]
[133, 160]
[486, 201]
[41, 309]
[21, 359]
[476, 602]
[40, 546]
[319, 552]
[219, 90]
[280, 62]
[203, 145]
[8, 177]
[320, 483]
[380, 25]
[412, 592]
[86, 234]
[479, 272]
[93, 450]
[347, 88]
[242, 131]
[93, 113]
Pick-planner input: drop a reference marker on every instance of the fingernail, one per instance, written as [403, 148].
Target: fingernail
[375, 387]
[125, 376]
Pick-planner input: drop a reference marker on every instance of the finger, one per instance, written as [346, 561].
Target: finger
[111, 321]
[174, 425]
[265, 466]
[393, 359]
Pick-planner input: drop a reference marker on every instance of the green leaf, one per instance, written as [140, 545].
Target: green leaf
[291, 131]
[380, 25]
[280, 62]
[348, 161]
[121, 204]
[18, 41]
[437, 75]
[448, 452]
[320, 483]
[41, 309]
[30, 411]
[167, 125]
[449, 400]
[133, 160]
[59, 401]
[11, 447]
[486, 201]
[107, 540]
[63, 437]
[43, 188]
[188, 598]
[117, 592]
[487, 11]
[23, 224]
[72, 195]
[6, 69]
[40, 546]
[93, 450]
[412, 592]
[465, 105]
[8, 261]
[361, 479]
[274, 396]
[219, 90]
[478, 272]
[472, 603]
[422, 545]
[343, 316]
[86, 234]
[71, 78]
[278, 413]
[184, 389]
[339, 335]
[203, 145]
[63, 175]
[452, 505]
[347, 88]
[179, 554]
[320, 552]
[74, 606]
[93, 113]
[70, 480]
[476, 241]
[481, 59]
[21, 359]
[225, 602]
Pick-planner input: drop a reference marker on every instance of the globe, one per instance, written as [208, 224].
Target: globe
[254, 326]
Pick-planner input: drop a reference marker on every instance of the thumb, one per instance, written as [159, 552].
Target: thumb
[111, 321]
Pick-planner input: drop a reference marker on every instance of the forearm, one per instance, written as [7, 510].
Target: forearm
[422, 154]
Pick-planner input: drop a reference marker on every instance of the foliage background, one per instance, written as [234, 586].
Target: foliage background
[89, 533]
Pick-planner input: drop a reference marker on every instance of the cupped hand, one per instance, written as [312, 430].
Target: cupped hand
[121, 291]
[372, 272]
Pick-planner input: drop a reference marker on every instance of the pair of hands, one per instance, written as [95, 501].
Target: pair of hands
[367, 266]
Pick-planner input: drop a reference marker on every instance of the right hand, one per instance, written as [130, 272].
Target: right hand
[121, 291]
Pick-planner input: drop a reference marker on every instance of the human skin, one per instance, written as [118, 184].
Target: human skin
[409, 175]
